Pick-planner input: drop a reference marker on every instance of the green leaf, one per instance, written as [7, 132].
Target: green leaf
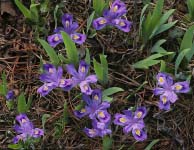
[149, 147]
[21, 106]
[162, 66]
[55, 15]
[44, 119]
[44, 7]
[107, 99]
[72, 53]
[190, 5]
[142, 17]
[87, 58]
[15, 146]
[157, 47]
[111, 91]
[65, 113]
[3, 85]
[180, 57]
[25, 11]
[187, 40]
[89, 21]
[28, 105]
[34, 12]
[98, 6]
[50, 52]
[107, 143]
[101, 69]
[150, 61]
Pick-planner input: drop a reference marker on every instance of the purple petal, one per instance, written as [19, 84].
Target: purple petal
[121, 120]
[181, 87]
[87, 99]
[54, 39]
[164, 103]
[85, 88]
[158, 91]
[118, 7]
[91, 132]
[59, 29]
[100, 23]
[81, 113]
[71, 70]
[10, 95]
[49, 68]
[172, 97]
[67, 20]
[37, 133]
[140, 113]
[22, 118]
[128, 113]
[104, 105]
[78, 38]
[46, 88]
[97, 96]
[83, 69]
[122, 24]
[91, 79]
[164, 80]
[103, 116]
[139, 134]
[66, 84]
[21, 137]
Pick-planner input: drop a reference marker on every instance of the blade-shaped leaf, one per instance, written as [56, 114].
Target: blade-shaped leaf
[21, 105]
[89, 21]
[107, 143]
[157, 47]
[111, 91]
[50, 52]
[98, 6]
[72, 53]
[149, 147]
[25, 11]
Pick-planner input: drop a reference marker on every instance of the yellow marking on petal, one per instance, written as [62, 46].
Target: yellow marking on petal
[121, 23]
[164, 99]
[62, 81]
[139, 114]
[51, 70]
[83, 69]
[56, 38]
[45, 88]
[36, 132]
[178, 87]
[115, 8]
[92, 131]
[67, 23]
[86, 87]
[123, 120]
[83, 110]
[138, 132]
[96, 97]
[101, 114]
[161, 79]
[23, 120]
[102, 21]
[75, 37]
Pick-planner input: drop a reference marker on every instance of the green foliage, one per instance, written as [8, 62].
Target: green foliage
[22, 105]
[44, 119]
[150, 61]
[3, 85]
[89, 21]
[71, 50]
[149, 147]
[107, 143]
[15, 146]
[190, 5]
[110, 91]
[186, 50]
[101, 69]
[154, 23]
[87, 58]
[50, 52]
[98, 6]
[157, 47]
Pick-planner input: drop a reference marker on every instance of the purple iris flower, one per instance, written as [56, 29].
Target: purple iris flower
[99, 129]
[70, 28]
[80, 77]
[168, 91]
[95, 108]
[25, 129]
[132, 122]
[113, 17]
[10, 95]
[52, 78]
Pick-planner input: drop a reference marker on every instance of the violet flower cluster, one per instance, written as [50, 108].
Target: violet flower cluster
[53, 78]
[25, 129]
[133, 122]
[168, 90]
[96, 110]
[113, 17]
[70, 28]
